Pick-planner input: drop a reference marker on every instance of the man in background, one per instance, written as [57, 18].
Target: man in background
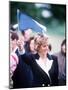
[61, 55]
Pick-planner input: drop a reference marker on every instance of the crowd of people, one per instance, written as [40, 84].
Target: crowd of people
[32, 64]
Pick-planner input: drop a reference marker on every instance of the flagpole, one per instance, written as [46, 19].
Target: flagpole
[18, 18]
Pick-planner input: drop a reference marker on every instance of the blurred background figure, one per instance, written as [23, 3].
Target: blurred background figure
[50, 49]
[61, 55]
[13, 55]
[31, 45]
[26, 34]
[22, 76]
[13, 52]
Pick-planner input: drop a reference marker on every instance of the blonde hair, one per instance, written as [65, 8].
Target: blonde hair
[39, 40]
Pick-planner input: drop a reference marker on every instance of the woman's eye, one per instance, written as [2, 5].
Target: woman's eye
[44, 46]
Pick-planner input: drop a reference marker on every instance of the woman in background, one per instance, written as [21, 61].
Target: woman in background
[13, 55]
[61, 55]
[31, 45]
[22, 76]
[13, 52]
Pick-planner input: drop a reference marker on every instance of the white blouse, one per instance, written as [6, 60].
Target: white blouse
[46, 66]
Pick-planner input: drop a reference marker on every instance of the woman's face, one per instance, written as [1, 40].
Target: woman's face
[27, 34]
[32, 45]
[63, 49]
[13, 44]
[44, 48]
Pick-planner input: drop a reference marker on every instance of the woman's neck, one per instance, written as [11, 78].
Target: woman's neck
[14, 48]
[42, 55]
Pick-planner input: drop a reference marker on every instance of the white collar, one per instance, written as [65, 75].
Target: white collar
[45, 66]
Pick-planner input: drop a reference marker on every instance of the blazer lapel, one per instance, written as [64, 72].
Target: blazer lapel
[39, 70]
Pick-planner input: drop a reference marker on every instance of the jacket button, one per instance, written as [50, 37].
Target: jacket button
[43, 85]
[48, 84]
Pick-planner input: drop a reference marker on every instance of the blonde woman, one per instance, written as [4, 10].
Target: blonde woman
[44, 68]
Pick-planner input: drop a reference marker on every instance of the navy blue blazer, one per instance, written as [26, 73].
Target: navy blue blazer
[22, 76]
[40, 78]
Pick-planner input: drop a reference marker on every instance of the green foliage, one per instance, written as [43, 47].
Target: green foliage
[59, 11]
[55, 24]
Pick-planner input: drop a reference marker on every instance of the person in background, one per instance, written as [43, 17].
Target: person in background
[22, 76]
[61, 55]
[13, 55]
[13, 52]
[26, 34]
[50, 49]
[31, 45]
